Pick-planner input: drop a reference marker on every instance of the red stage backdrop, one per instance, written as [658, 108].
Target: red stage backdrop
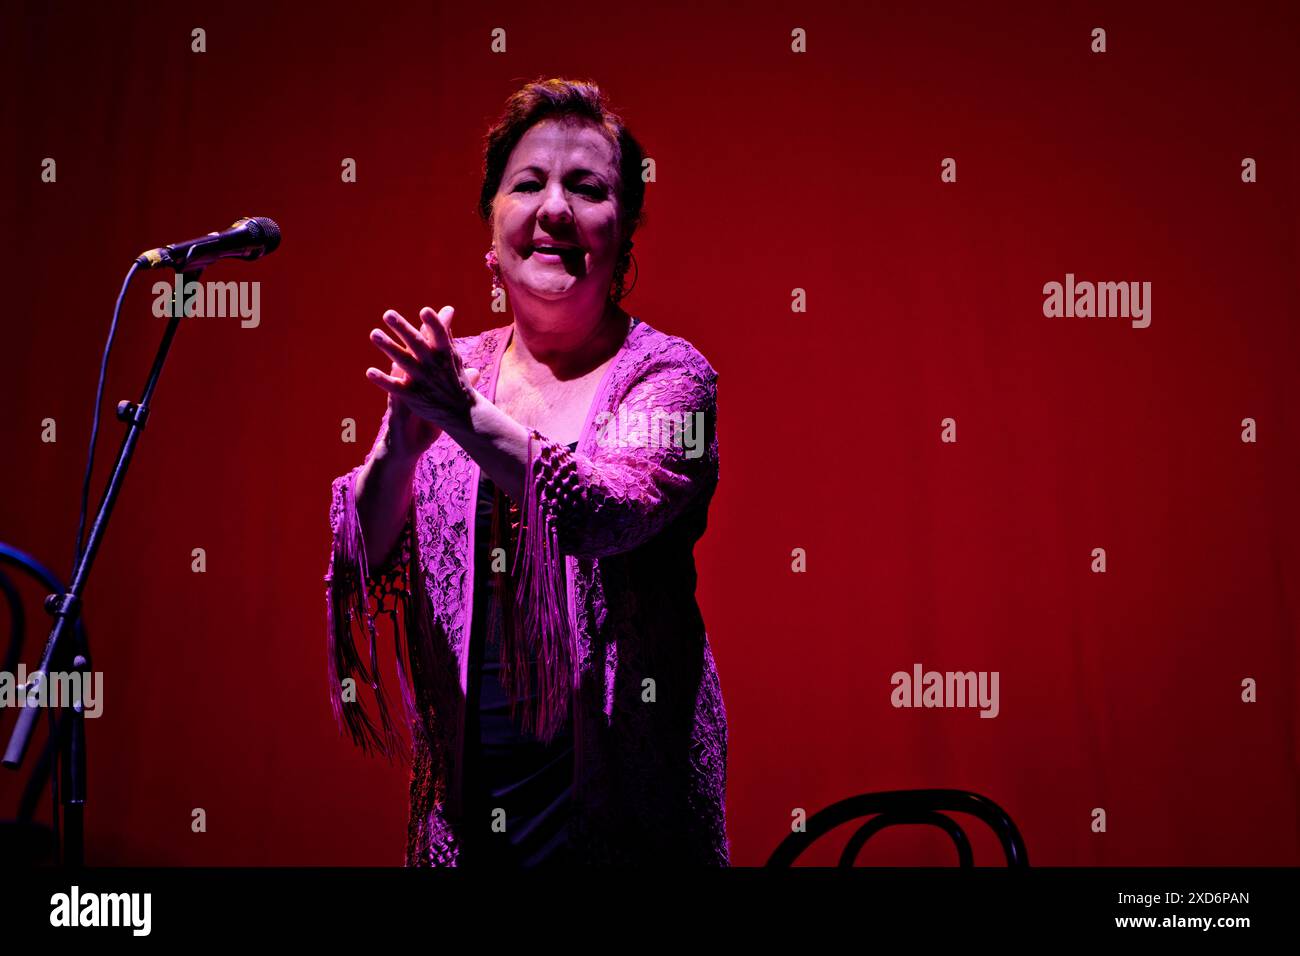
[855, 224]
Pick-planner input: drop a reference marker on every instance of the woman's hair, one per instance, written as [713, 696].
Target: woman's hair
[564, 99]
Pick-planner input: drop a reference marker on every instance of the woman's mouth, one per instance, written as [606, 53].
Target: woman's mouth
[555, 253]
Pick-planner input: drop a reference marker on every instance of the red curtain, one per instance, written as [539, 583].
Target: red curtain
[775, 171]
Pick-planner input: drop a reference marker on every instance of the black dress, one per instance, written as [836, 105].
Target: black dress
[505, 768]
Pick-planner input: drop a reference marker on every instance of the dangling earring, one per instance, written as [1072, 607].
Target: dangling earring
[494, 266]
[616, 291]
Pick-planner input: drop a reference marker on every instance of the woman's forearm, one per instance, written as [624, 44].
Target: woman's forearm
[490, 436]
[496, 441]
[383, 500]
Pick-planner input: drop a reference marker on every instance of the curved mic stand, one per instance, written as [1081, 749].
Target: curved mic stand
[66, 607]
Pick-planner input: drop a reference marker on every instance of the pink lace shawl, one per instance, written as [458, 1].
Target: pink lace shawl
[607, 573]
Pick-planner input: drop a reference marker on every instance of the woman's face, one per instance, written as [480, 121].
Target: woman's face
[559, 186]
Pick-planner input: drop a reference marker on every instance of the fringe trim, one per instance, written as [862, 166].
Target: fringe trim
[541, 613]
[501, 619]
[350, 621]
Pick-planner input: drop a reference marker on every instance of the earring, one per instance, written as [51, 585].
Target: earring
[616, 292]
[494, 266]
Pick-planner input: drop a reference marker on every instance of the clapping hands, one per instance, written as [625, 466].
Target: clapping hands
[428, 387]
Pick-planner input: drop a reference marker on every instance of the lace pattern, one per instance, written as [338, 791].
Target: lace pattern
[624, 517]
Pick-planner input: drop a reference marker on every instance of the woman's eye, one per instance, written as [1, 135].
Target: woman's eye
[596, 192]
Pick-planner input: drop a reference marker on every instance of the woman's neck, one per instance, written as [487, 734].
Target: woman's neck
[562, 345]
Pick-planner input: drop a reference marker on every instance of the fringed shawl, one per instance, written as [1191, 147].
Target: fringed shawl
[606, 582]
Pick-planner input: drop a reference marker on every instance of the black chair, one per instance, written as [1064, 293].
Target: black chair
[23, 840]
[901, 807]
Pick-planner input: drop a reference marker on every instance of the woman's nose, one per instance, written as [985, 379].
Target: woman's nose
[555, 206]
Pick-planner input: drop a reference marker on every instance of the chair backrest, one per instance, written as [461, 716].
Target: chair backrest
[24, 839]
[11, 557]
[901, 807]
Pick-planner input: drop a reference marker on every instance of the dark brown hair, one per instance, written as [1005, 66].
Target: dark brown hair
[564, 99]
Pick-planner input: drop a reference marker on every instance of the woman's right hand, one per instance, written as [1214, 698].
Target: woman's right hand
[409, 435]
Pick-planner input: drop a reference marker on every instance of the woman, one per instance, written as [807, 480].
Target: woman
[564, 705]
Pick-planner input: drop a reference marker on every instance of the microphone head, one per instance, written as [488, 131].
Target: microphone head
[270, 233]
[264, 231]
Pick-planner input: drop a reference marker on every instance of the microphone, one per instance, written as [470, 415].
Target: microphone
[248, 238]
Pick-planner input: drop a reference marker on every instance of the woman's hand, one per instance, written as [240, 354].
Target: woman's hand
[429, 386]
[409, 435]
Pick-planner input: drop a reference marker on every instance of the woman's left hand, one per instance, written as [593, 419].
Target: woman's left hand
[434, 382]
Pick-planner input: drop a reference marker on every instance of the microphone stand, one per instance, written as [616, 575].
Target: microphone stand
[66, 607]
